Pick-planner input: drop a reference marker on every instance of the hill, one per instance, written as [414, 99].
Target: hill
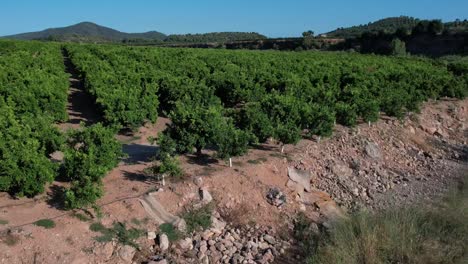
[389, 25]
[86, 31]
[91, 32]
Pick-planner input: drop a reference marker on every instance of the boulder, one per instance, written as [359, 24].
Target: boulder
[205, 196]
[373, 150]
[301, 177]
[163, 242]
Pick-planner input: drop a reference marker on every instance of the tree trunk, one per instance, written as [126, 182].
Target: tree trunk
[163, 180]
[282, 148]
[319, 139]
[199, 151]
[369, 124]
[230, 162]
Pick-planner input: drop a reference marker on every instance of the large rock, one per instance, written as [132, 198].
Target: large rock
[373, 150]
[217, 226]
[301, 177]
[163, 242]
[126, 253]
[205, 196]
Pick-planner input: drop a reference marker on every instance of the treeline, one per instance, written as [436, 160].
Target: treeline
[227, 100]
[220, 37]
[398, 25]
[214, 37]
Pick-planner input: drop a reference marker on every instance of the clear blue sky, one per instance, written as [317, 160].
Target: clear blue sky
[271, 17]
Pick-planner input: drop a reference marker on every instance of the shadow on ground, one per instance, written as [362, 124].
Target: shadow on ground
[138, 153]
[56, 197]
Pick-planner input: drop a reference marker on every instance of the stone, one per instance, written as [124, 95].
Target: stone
[163, 261]
[107, 250]
[217, 226]
[342, 171]
[302, 177]
[126, 253]
[185, 244]
[271, 240]
[198, 181]
[163, 242]
[151, 235]
[373, 150]
[275, 197]
[180, 225]
[295, 187]
[205, 196]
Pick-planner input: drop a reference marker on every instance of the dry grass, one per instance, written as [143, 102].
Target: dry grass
[9, 239]
[435, 234]
[238, 215]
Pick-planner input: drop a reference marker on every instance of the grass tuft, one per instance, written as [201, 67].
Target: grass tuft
[46, 223]
[119, 232]
[172, 233]
[3, 222]
[198, 219]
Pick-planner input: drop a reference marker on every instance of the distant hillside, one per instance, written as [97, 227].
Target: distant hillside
[90, 32]
[389, 25]
[86, 31]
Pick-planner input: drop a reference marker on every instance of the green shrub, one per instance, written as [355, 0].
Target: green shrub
[172, 233]
[198, 219]
[46, 223]
[118, 231]
[84, 192]
[169, 166]
[91, 153]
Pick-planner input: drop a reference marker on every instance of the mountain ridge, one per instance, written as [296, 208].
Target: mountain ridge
[86, 30]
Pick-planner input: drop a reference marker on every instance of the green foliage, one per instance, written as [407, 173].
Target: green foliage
[24, 166]
[118, 231]
[198, 219]
[46, 223]
[253, 96]
[390, 24]
[398, 47]
[172, 233]
[287, 133]
[81, 217]
[231, 142]
[3, 222]
[84, 192]
[33, 94]
[126, 96]
[220, 37]
[169, 166]
[346, 114]
[91, 153]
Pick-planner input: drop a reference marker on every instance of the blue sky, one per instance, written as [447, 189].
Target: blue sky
[273, 18]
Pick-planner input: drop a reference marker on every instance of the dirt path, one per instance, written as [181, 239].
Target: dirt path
[80, 107]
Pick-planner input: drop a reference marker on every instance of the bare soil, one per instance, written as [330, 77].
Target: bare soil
[420, 157]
